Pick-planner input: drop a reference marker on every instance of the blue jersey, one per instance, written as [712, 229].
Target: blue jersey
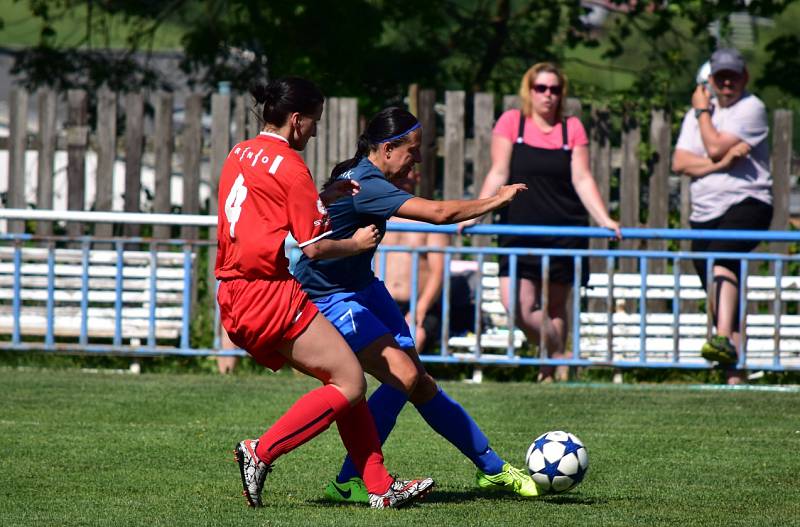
[376, 202]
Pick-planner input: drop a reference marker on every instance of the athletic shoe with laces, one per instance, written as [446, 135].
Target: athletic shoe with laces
[351, 491]
[719, 349]
[253, 471]
[401, 493]
[509, 478]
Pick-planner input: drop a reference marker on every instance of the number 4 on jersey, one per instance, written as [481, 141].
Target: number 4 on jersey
[233, 203]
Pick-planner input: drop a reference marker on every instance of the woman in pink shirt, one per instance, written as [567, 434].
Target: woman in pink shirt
[548, 151]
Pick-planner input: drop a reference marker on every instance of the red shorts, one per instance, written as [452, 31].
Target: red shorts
[260, 315]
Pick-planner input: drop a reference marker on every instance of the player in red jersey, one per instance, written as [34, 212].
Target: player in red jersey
[265, 193]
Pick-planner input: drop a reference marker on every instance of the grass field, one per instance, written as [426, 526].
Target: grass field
[82, 448]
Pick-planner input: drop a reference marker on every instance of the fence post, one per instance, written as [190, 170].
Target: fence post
[239, 119]
[106, 155]
[427, 117]
[573, 108]
[18, 129]
[454, 145]
[320, 168]
[253, 116]
[192, 149]
[658, 197]
[629, 186]
[77, 140]
[163, 146]
[511, 101]
[482, 147]
[134, 145]
[600, 164]
[220, 145]
[333, 127]
[348, 127]
[47, 151]
[781, 169]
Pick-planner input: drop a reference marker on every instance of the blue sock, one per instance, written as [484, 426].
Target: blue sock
[451, 421]
[384, 405]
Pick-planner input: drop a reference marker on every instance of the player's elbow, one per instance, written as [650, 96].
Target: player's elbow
[445, 216]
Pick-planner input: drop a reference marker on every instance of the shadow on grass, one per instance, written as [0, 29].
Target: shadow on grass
[448, 497]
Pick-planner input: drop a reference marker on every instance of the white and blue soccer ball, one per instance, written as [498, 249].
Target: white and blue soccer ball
[557, 461]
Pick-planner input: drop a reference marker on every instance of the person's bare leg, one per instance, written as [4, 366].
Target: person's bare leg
[390, 364]
[728, 296]
[320, 351]
[725, 311]
[530, 319]
[323, 353]
[733, 375]
[557, 310]
[226, 365]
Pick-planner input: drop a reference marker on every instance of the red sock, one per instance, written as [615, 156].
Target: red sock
[312, 414]
[360, 438]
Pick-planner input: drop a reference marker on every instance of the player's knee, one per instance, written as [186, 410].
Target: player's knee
[408, 378]
[425, 390]
[354, 388]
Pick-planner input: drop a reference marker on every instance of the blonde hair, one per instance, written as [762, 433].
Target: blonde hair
[527, 84]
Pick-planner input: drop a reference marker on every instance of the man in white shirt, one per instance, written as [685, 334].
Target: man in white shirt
[723, 147]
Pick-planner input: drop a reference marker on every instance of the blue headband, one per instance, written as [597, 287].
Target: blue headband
[398, 136]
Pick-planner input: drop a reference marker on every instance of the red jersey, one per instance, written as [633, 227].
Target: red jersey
[265, 192]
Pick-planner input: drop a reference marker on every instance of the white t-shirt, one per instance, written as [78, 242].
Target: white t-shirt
[749, 177]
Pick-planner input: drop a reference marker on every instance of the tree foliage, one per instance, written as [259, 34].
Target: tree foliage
[375, 48]
[371, 48]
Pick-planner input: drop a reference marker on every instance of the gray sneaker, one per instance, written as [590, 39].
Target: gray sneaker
[401, 493]
[253, 471]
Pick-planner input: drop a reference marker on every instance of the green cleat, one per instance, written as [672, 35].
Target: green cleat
[351, 491]
[510, 478]
[719, 349]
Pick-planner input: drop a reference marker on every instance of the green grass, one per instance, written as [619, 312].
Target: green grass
[82, 448]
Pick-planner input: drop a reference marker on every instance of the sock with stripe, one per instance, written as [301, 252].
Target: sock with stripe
[310, 415]
[385, 405]
[360, 438]
[451, 421]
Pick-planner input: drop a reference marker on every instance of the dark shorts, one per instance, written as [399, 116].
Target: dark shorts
[750, 214]
[562, 268]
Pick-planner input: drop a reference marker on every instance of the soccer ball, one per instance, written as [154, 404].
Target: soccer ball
[557, 461]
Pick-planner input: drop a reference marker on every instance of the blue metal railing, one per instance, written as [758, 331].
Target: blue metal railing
[118, 344]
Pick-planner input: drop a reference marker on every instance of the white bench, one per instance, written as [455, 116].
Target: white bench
[663, 340]
[65, 289]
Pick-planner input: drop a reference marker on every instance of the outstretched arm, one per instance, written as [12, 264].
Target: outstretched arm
[586, 188]
[456, 210]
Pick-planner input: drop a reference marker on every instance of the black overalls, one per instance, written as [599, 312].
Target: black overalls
[550, 200]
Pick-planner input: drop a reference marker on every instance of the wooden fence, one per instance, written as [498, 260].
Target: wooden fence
[147, 131]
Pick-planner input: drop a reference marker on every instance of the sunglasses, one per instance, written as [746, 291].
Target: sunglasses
[542, 88]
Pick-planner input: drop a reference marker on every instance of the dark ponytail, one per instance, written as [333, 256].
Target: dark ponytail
[391, 125]
[284, 96]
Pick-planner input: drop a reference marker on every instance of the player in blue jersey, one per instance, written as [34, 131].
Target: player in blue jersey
[347, 292]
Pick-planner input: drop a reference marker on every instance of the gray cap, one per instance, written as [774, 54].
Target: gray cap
[727, 59]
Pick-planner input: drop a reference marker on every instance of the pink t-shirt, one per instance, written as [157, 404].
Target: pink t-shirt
[508, 126]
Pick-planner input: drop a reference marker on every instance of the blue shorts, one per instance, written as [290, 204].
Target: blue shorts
[364, 316]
